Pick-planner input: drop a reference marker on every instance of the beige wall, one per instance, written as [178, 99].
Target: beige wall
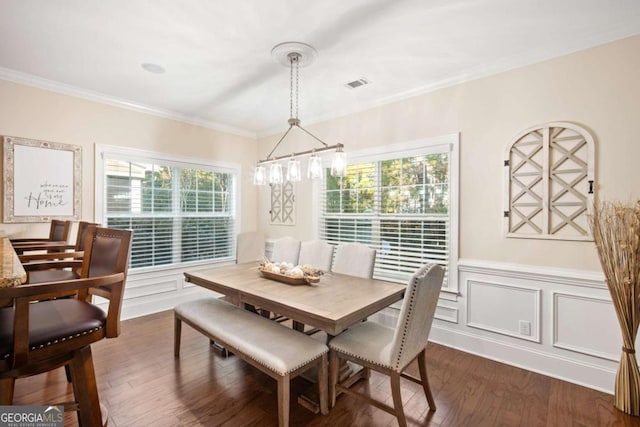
[33, 113]
[597, 88]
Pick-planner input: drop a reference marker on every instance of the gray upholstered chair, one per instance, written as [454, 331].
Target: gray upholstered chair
[317, 253]
[249, 247]
[389, 350]
[354, 259]
[286, 249]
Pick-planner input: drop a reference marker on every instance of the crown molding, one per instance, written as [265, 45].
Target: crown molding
[486, 70]
[65, 89]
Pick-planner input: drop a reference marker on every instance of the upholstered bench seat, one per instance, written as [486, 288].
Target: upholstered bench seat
[276, 350]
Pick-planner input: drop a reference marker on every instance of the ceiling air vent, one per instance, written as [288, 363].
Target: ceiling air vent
[357, 83]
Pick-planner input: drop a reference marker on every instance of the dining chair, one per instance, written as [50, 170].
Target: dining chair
[57, 266]
[58, 232]
[286, 249]
[249, 247]
[388, 350]
[39, 332]
[354, 259]
[317, 253]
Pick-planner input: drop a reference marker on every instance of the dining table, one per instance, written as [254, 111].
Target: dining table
[333, 304]
[13, 273]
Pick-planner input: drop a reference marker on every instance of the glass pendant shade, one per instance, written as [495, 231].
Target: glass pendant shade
[260, 175]
[314, 171]
[339, 164]
[293, 170]
[275, 173]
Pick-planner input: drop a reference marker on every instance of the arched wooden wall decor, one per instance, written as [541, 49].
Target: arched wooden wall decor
[550, 173]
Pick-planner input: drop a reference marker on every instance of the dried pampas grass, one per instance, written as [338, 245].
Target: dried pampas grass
[616, 231]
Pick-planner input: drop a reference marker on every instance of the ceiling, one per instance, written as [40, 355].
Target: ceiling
[217, 53]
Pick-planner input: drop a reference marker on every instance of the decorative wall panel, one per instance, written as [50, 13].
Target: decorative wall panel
[550, 182]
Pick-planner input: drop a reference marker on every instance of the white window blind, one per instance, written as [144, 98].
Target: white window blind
[398, 204]
[179, 212]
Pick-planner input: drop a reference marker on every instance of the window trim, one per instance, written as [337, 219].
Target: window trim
[127, 153]
[450, 143]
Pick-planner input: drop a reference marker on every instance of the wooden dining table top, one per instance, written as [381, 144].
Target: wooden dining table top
[13, 273]
[335, 303]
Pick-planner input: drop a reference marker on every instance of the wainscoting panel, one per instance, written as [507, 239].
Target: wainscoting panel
[448, 314]
[568, 314]
[504, 309]
[586, 325]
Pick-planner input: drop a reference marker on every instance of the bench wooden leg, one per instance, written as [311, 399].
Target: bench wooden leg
[283, 400]
[177, 333]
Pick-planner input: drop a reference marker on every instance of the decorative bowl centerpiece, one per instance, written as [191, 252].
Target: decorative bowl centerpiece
[288, 273]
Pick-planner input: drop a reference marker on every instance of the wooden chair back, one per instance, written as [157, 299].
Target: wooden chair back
[59, 231]
[107, 251]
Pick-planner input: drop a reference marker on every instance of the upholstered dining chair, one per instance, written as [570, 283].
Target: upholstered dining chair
[354, 259]
[40, 332]
[317, 253]
[388, 350]
[286, 249]
[249, 247]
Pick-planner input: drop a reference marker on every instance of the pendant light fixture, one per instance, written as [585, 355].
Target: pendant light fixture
[296, 55]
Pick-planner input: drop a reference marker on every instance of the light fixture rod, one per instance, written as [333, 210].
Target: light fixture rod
[278, 143]
[312, 135]
[337, 147]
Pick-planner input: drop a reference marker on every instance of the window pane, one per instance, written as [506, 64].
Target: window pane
[399, 206]
[174, 212]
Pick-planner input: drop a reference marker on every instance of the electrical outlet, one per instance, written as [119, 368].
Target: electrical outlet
[524, 326]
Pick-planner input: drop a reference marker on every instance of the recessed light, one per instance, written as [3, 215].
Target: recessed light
[152, 68]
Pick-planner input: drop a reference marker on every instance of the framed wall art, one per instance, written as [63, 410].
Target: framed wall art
[42, 180]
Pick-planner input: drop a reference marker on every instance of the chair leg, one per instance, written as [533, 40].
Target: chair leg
[283, 400]
[7, 385]
[85, 389]
[323, 380]
[422, 365]
[177, 333]
[333, 376]
[397, 399]
[67, 372]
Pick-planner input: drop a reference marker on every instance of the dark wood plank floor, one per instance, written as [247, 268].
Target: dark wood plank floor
[143, 385]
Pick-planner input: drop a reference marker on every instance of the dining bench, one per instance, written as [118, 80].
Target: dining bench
[278, 351]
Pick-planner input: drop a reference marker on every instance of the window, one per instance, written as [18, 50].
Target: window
[400, 201]
[179, 211]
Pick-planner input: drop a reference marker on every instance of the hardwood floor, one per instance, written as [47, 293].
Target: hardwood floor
[143, 385]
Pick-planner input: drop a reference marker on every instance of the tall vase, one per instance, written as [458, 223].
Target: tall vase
[616, 232]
